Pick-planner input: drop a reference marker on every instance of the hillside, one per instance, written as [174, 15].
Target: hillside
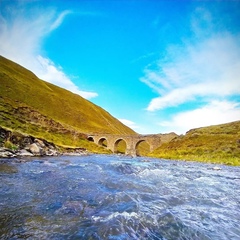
[219, 144]
[32, 106]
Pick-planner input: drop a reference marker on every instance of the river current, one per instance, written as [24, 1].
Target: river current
[118, 197]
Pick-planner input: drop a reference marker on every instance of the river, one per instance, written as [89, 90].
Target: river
[118, 197]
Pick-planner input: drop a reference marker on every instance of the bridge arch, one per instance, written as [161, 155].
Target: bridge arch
[103, 142]
[91, 139]
[140, 141]
[116, 144]
[111, 141]
[142, 147]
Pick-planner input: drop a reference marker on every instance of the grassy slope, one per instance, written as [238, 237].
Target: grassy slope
[39, 108]
[219, 144]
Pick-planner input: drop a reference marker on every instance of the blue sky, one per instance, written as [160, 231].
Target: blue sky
[158, 66]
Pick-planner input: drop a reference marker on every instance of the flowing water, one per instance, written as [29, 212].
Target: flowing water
[113, 197]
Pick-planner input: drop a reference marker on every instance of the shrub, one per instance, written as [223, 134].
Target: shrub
[10, 145]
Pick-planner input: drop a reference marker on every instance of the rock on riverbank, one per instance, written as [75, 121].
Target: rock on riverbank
[19, 145]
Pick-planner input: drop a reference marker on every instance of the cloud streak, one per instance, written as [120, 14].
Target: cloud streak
[129, 123]
[203, 72]
[49, 72]
[59, 20]
[213, 113]
[208, 69]
[21, 34]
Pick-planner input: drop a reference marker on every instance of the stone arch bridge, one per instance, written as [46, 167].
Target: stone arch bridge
[132, 141]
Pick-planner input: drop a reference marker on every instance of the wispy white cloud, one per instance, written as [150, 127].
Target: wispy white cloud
[49, 72]
[209, 68]
[129, 123]
[203, 70]
[21, 34]
[58, 21]
[215, 112]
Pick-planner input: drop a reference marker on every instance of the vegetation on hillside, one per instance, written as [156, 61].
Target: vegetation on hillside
[38, 108]
[218, 144]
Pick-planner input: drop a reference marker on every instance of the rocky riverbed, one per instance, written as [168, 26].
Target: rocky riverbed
[19, 145]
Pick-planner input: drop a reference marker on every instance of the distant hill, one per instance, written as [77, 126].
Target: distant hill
[32, 106]
[219, 144]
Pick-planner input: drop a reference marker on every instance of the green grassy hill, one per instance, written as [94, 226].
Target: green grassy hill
[32, 106]
[218, 144]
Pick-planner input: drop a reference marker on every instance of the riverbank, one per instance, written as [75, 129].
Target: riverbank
[217, 144]
[8, 153]
[214, 144]
[14, 145]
